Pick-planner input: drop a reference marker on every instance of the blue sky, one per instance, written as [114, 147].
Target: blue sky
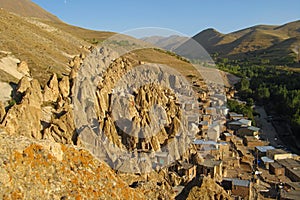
[188, 17]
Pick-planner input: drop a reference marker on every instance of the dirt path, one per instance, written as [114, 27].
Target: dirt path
[268, 131]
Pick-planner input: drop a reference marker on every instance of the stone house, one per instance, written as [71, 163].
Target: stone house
[238, 187]
[185, 170]
[189, 171]
[211, 167]
[226, 136]
[162, 158]
[252, 142]
[261, 151]
[235, 116]
[278, 154]
[266, 161]
[248, 131]
[292, 169]
[276, 168]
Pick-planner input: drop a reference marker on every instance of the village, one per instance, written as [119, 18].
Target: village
[236, 154]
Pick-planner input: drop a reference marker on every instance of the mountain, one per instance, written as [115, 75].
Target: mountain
[169, 43]
[40, 39]
[26, 8]
[274, 44]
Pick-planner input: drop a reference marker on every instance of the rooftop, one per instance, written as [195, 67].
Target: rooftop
[211, 163]
[252, 139]
[161, 154]
[205, 142]
[235, 123]
[264, 149]
[289, 163]
[245, 121]
[253, 128]
[238, 182]
[276, 151]
[266, 159]
[293, 194]
[276, 165]
[227, 134]
[233, 114]
[187, 165]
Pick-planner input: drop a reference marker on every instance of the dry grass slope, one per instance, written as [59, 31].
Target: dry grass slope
[26, 8]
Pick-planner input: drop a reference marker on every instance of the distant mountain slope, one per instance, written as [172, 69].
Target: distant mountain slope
[274, 44]
[169, 43]
[26, 8]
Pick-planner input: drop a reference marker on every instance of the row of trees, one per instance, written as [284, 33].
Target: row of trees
[275, 88]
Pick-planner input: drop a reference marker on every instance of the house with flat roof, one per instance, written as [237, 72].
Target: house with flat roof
[189, 171]
[211, 167]
[262, 150]
[291, 191]
[235, 116]
[245, 122]
[226, 136]
[238, 187]
[278, 154]
[252, 142]
[234, 125]
[162, 158]
[213, 132]
[248, 131]
[266, 161]
[292, 169]
[276, 168]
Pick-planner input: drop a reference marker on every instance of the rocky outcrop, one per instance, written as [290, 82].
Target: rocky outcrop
[62, 127]
[209, 189]
[23, 85]
[32, 169]
[140, 118]
[64, 86]
[51, 91]
[153, 185]
[136, 109]
[23, 68]
[25, 118]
